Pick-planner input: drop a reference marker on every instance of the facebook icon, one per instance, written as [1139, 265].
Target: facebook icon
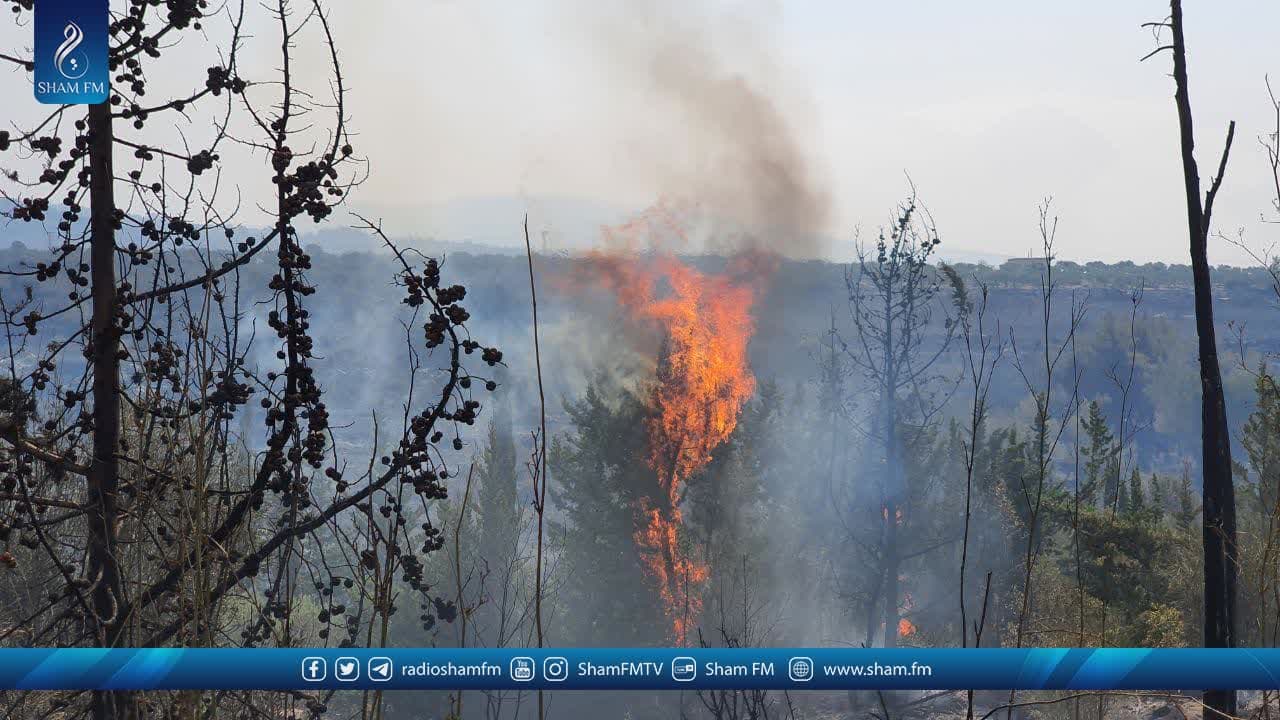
[314, 669]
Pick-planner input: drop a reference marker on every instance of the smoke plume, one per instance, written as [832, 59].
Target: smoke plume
[715, 122]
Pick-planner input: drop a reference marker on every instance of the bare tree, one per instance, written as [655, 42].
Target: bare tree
[983, 348]
[1271, 143]
[538, 461]
[1221, 555]
[741, 621]
[134, 417]
[1039, 376]
[892, 292]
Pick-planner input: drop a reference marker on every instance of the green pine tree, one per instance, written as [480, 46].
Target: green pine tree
[1100, 458]
[1188, 508]
[1261, 441]
[1159, 498]
[602, 473]
[1137, 498]
[496, 495]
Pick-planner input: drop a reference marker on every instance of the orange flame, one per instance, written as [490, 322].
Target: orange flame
[906, 628]
[897, 515]
[703, 379]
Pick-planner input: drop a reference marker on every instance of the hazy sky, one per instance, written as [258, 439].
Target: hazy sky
[989, 105]
[801, 114]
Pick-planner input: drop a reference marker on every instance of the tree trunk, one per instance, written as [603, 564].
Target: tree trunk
[1219, 514]
[893, 481]
[104, 474]
[891, 569]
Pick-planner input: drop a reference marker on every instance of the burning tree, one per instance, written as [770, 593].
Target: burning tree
[702, 380]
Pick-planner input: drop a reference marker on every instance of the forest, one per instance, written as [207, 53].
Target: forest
[227, 432]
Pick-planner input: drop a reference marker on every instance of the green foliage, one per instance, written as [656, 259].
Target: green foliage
[1101, 467]
[496, 496]
[1130, 546]
[1188, 510]
[1261, 441]
[601, 471]
[728, 500]
[1259, 514]
[1135, 501]
[1160, 626]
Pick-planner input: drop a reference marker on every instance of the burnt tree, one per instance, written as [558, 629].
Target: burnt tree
[1221, 554]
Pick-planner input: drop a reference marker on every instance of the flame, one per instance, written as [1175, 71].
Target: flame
[703, 380]
[906, 628]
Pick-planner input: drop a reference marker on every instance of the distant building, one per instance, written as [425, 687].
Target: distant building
[1023, 263]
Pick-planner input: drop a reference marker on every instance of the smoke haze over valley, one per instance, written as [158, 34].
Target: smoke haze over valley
[716, 324]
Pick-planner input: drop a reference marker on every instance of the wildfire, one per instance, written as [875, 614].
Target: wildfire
[703, 379]
[906, 628]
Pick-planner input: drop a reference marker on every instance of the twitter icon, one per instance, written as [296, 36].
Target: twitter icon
[346, 669]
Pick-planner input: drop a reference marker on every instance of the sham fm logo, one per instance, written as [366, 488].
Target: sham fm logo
[68, 59]
[71, 52]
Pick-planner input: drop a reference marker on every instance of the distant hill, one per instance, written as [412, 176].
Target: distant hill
[357, 315]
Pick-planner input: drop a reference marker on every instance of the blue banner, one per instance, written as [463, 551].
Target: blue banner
[71, 52]
[639, 669]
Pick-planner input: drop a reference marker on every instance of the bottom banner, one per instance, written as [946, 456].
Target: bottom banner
[639, 668]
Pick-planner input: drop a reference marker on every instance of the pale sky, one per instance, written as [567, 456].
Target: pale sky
[989, 105]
